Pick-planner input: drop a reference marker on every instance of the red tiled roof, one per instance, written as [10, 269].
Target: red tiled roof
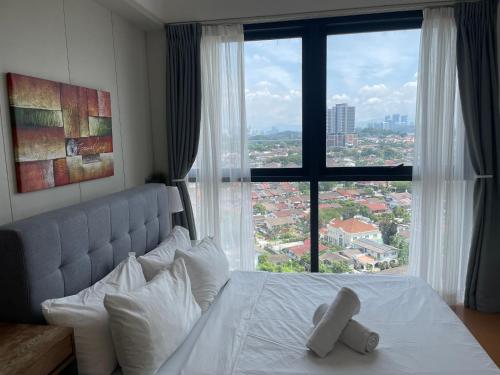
[284, 213]
[353, 225]
[305, 248]
[375, 206]
[365, 259]
[348, 192]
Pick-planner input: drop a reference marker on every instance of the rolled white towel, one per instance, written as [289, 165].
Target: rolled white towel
[355, 335]
[318, 314]
[329, 328]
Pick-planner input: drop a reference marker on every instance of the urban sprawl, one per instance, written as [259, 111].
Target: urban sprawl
[364, 226]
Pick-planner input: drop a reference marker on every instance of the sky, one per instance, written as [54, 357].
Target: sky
[375, 72]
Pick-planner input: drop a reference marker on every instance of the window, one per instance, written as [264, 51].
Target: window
[364, 226]
[335, 196]
[282, 228]
[273, 95]
[371, 98]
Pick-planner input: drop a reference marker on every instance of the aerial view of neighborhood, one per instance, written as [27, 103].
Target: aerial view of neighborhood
[364, 225]
[387, 142]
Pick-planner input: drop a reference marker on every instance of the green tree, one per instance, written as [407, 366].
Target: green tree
[402, 213]
[327, 186]
[404, 249]
[259, 208]
[389, 230]
[401, 186]
[304, 188]
[349, 209]
[264, 264]
[340, 266]
[327, 214]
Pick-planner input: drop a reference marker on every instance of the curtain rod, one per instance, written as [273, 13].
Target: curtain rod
[328, 13]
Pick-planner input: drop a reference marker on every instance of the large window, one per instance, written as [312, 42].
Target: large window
[330, 111]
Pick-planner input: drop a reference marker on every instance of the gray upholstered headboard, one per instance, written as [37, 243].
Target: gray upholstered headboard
[59, 253]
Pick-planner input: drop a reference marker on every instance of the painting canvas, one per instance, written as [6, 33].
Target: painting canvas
[62, 133]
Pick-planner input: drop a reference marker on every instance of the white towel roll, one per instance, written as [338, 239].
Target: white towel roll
[355, 335]
[318, 314]
[330, 327]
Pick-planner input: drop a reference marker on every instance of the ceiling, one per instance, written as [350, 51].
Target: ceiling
[152, 14]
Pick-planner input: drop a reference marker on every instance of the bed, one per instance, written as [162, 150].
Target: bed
[259, 322]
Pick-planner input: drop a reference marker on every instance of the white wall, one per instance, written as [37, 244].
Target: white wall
[82, 43]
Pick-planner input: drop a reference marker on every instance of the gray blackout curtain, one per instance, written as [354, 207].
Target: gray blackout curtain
[478, 81]
[183, 111]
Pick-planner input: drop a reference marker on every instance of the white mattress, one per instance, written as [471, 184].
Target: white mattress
[259, 325]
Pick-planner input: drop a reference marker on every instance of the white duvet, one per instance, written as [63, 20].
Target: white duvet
[260, 323]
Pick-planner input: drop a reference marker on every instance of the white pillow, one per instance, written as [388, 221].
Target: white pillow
[208, 269]
[163, 255]
[85, 312]
[150, 323]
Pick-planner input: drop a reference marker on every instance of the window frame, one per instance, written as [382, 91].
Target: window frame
[314, 35]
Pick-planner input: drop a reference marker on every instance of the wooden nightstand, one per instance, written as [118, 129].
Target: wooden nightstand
[35, 349]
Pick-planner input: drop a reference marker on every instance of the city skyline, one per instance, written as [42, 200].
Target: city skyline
[378, 76]
[380, 123]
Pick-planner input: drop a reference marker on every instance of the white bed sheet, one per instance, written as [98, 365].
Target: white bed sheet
[259, 325]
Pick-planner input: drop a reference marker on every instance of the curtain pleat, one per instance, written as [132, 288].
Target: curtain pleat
[223, 190]
[183, 111]
[441, 188]
[478, 79]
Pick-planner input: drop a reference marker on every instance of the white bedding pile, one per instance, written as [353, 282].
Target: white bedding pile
[260, 323]
[143, 323]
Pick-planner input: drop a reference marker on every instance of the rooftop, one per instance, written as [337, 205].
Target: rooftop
[353, 225]
[305, 248]
[374, 246]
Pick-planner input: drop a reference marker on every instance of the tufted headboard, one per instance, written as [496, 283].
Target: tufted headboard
[59, 253]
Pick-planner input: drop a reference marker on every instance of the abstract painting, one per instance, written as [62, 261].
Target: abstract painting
[62, 133]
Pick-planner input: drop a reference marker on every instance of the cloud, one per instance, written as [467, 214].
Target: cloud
[337, 99]
[377, 89]
[376, 72]
[412, 84]
[373, 100]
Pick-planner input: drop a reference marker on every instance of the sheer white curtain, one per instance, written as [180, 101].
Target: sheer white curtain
[223, 207]
[442, 191]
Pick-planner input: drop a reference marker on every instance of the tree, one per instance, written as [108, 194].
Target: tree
[327, 214]
[340, 266]
[336, 266]
[402, 213]
[364, 211]
[259, 208]
[389, 229]
[401, 186]
[404, 249]
[304, 188]
[264, 264]
[349, 209]
[327, 186]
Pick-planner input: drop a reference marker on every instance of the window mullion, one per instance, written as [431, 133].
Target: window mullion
[313, 129]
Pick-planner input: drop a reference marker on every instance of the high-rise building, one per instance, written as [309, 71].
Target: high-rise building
[340, 122]
[395, 119]
[404, 120]
[331, 114]
[340, 119]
